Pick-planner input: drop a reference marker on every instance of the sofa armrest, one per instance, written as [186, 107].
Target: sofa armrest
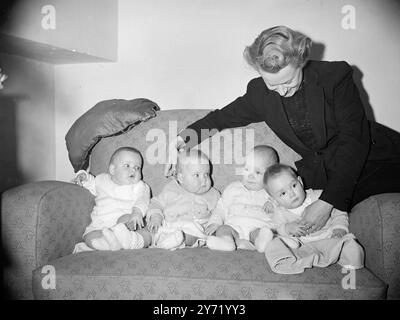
[41, 221]
[376, 223]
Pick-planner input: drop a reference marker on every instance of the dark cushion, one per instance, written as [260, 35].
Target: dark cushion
[106, 118]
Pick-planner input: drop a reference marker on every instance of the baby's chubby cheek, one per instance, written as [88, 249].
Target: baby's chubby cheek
[206, 187]
[137, 177]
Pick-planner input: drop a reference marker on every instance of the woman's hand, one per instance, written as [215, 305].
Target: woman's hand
[316, 215]
[296, 229]
[175, 144]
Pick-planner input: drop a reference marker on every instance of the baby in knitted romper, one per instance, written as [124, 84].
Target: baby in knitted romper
[290, 199]
[179, 213]
[121, 202]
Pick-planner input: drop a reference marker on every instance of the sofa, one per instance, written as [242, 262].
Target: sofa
[42, 222]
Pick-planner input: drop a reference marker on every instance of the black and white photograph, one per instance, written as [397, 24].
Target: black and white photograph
[200, 156]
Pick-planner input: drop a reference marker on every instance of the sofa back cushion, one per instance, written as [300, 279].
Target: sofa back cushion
[225, 149]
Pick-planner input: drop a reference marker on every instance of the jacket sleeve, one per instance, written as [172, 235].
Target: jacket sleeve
[352, 146]
[238, 113]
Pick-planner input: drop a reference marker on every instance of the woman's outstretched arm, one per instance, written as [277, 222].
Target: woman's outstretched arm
[238, 113]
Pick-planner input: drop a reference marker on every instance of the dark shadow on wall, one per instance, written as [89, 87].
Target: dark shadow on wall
[357, 77]
[5, 9]
[10, 174]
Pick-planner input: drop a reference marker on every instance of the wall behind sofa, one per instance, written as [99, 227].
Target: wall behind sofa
[188, 54]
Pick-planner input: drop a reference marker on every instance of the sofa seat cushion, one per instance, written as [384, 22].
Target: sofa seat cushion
[193, 274]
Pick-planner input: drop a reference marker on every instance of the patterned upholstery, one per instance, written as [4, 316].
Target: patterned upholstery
[376, 223]
[42, 221]
[194, 274]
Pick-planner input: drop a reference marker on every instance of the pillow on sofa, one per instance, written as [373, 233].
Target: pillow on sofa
[106, 118]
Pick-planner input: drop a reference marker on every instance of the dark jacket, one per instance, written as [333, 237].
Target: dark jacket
[338, 121]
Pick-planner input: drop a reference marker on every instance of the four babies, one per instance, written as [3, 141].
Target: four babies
[268, 201]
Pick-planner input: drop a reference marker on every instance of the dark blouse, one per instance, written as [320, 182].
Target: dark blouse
[299, 118]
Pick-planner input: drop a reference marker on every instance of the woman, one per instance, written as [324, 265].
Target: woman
[315, 108]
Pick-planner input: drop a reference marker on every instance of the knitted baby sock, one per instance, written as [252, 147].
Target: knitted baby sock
[352, 255]
[127, 239]
[100, 244]
[264, 237]
[111, 239]
[171, 240]
[221, 243]
[137, 241]
[244, 244]
[122, 234]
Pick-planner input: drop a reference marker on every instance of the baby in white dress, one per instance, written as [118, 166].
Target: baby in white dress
[242, 212]
[121, 203]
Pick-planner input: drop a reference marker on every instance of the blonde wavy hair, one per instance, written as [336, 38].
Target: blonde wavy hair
[277, 47]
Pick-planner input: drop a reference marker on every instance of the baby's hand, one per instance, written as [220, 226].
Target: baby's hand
[338, 233]
[136, 220]
[81, 177]
[154, 222]
[295, 229]
[210, 229]
[268, 207]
